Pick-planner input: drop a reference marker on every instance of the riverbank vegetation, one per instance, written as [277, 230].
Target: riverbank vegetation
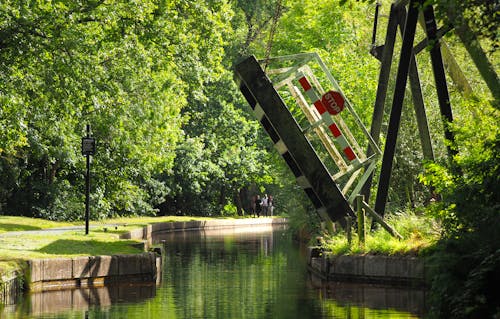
[419, 234]
[175, 137]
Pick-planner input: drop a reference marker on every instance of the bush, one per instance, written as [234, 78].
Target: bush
[466, 261]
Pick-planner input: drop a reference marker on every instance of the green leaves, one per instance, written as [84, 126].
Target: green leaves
[153, 79]
[65, 65]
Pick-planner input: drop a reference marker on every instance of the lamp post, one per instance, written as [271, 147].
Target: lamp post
[88, 149]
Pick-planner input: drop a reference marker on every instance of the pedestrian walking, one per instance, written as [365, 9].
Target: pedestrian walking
[264, 205]
[253, 212]
[258, 205]
[270, 205]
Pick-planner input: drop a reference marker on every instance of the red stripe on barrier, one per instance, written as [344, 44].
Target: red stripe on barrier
[305, 84]
[349, 153]
[320, 107]
[335, 130]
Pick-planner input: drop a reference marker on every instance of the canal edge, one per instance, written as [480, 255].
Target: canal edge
[94, 271]
[145, 233]
[380, 269]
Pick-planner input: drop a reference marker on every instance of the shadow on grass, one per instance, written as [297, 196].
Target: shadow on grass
[17, 227]
[89, 247]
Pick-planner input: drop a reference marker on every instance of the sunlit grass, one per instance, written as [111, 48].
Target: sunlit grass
[419, 233]
[123, 224]
[16, 249]
[103, 238]
[68, 244]
[17, 223]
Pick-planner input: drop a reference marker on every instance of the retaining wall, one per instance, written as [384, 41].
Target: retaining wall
[76, 272]
[368, 268]
[146, 233]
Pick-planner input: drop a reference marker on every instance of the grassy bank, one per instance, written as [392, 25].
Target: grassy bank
[419, 233]
[15, 248]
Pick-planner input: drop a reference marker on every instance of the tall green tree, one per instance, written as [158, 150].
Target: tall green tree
[65, 64]
[225, 151]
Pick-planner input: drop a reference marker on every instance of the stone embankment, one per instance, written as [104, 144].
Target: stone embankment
[146, 233]
[368, 268]
[76, 272]
[96, 271]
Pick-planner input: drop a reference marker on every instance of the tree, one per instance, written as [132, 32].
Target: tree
[464, 283]
[476, 24]
[224, 151]
[108, 64]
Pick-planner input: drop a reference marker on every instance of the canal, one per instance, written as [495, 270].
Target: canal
[257, 272]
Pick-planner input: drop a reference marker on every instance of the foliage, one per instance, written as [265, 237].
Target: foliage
[222, 153]
[173, 131]
[480, 15]
[127, 69]
[174, 135]
[154, 79]
[65, 65]
[342, 37]
[469, 185]
[466, 259]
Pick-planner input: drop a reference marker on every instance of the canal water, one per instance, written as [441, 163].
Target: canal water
[256, 272]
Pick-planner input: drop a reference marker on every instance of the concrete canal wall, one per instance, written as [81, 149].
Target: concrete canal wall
[146, 233]
[76, 272]
[368, 268]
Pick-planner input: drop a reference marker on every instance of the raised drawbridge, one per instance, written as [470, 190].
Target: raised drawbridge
[301, 106]
[311, 122]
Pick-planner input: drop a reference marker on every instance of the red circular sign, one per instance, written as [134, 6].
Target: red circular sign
[333, 101]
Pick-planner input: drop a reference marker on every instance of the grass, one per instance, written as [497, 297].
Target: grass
[419, 232]
[17, 223]
[102, 240]
[124, 224]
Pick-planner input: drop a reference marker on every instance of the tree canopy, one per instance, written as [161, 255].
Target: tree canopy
[153, 78]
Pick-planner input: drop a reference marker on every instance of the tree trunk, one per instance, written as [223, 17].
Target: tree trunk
[237, 201]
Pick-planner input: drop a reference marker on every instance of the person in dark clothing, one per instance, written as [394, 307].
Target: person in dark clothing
[252, 206]
[258, 205]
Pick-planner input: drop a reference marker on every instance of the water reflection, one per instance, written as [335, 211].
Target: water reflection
[379, 301]
[263, 275]
[60, 303]
[257, 273]
[238, 275]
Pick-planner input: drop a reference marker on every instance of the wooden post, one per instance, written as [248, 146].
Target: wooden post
[349, 230]
[361, 220]
[381, 221]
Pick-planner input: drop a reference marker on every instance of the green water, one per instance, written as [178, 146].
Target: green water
[256, 274]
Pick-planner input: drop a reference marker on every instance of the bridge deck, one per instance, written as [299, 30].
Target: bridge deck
[289, 140]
